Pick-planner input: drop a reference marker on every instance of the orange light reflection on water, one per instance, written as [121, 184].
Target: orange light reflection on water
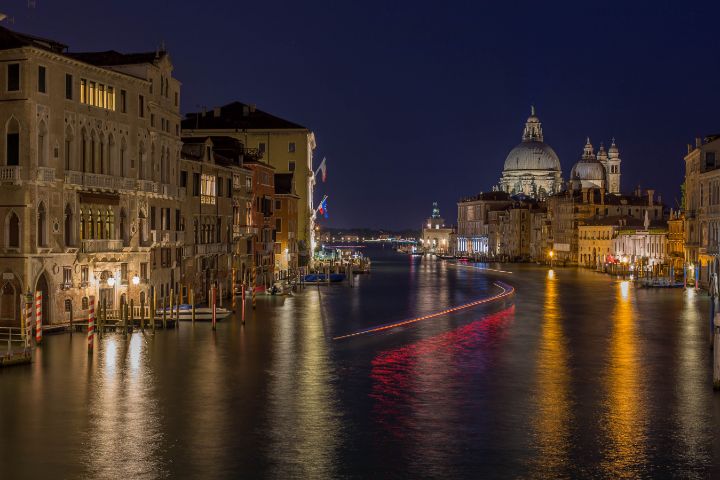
[551, 423]
[623, 421]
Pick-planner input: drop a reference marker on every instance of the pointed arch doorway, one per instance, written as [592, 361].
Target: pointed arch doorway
[43, 286]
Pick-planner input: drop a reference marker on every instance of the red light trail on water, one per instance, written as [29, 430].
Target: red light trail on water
[507, 290]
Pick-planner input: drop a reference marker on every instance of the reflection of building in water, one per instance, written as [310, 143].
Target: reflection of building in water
[554, 409]
[437, 238]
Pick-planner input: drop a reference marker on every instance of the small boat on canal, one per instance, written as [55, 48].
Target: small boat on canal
[313, 278]
[201, 313]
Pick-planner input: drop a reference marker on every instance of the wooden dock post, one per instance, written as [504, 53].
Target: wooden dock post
[242, 302]
[253, 286]
[716, 354]
[91, 325]
[28, 319]
[38, 317]
[164, 312]
[153, 307]
[142, 314]
[172, 301]
[232, 289]
[102, 318]
[177, 310]
[71, 319]
[132, 315]
[213, 298]
[124, 318]
[192, 304]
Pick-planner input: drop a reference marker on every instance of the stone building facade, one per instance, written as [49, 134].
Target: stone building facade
[89, 172]
[285, 145]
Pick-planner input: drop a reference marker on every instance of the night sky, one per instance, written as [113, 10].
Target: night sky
[415, 102]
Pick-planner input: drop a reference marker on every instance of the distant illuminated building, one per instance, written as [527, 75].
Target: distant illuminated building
[532, 168]
[437, 237]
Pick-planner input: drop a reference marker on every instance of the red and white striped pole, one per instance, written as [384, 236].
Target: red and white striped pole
[28, 320]
[243, 302]
[91, 324]
[214, 312]
[38, 317]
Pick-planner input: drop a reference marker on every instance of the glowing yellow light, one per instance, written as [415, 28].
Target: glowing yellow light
[551, 253]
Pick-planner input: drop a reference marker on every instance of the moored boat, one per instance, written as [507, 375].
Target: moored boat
[322, 278]
[201, 313]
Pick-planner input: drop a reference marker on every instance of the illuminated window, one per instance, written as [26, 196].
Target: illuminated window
[91, 93]
[100, 96]
[83, 90]
[208, 191]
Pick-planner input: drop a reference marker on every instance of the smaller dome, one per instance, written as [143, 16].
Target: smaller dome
[592, 171]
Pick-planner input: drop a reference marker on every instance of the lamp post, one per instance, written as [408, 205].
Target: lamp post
[551, 254]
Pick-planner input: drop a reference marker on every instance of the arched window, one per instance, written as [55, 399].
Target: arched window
[69, 137]
[69, 227]
[41, 225]
[90, 226]
[93, 151]
[113, 168]
[42, 141]
[13, 229]
[12, 142]
[153, 174]
[123, 155]
[141, 161]
[109, 224]
[101, 156]
[99, 225]
[84, 151]
[123, 227]
[141, 227]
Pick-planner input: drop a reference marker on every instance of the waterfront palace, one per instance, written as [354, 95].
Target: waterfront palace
[107, 192]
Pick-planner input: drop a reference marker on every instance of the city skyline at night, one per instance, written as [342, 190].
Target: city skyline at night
[407, 91]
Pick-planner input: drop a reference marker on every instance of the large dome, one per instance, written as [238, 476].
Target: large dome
[532, 155]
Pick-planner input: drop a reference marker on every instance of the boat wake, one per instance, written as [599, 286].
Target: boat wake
[506, 291]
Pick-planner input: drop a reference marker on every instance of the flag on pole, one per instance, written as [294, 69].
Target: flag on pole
[323, 208]
[323, 168]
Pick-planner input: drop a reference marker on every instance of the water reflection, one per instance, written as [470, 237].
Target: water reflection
[304, 423]
[124, 431]
[402, 383]
[623, 421]
[551, 424]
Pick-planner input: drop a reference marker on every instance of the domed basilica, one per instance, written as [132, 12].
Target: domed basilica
[532, 168]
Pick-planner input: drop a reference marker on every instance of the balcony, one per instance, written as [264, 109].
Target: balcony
[244, 230]
[10, 174]
[210, 248]
[98, 180]
[100, 246]
[147, 186]
[45, 174]
[122, 183]
[73, 178]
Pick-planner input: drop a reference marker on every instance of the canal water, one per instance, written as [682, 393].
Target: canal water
[576, 376]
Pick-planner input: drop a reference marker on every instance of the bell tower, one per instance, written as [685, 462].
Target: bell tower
[613, 169]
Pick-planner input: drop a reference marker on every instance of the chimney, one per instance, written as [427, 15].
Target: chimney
[690, 148]
[637, 191]
[204, 111]
[651, 194]
[698, 142]
[246, 110]
[659, 201]
[216, 112]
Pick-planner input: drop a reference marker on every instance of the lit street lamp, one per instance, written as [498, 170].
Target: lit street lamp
[136, 280]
